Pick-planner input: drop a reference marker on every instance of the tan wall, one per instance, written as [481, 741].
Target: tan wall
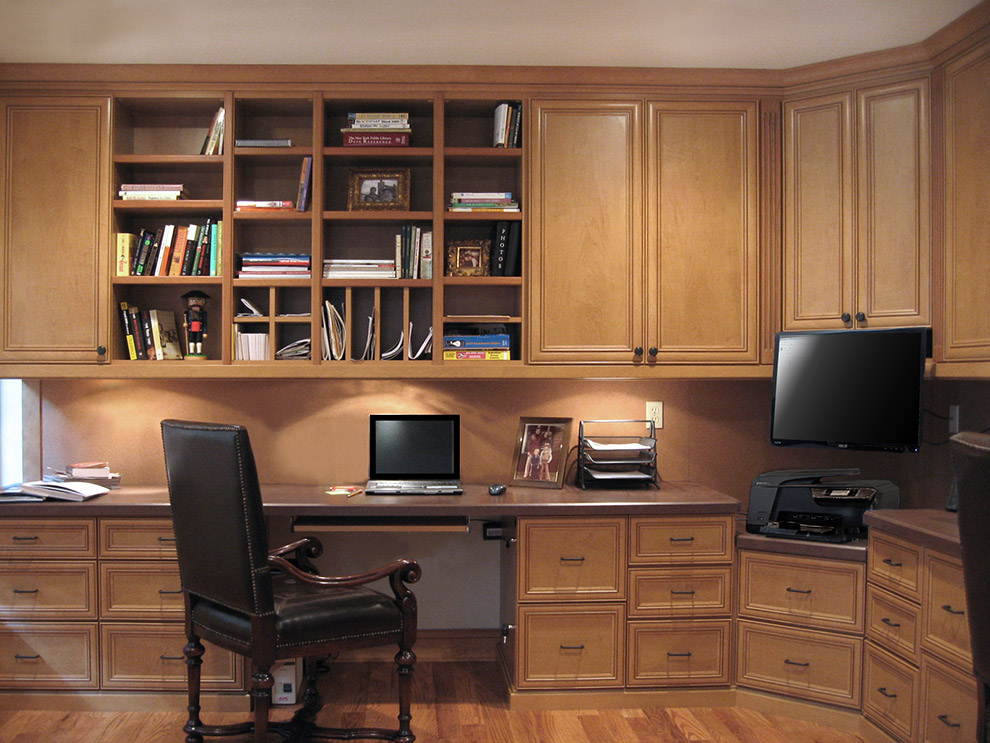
[315, 431]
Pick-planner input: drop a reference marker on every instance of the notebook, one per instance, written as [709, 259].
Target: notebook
[415, 455]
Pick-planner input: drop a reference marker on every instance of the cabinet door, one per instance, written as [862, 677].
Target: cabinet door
[893, 249]
[54, 242]
[586, 262]
[967, 182]
[702, 222]
[818, 212]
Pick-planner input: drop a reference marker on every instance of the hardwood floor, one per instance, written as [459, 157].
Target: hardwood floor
[459, 702]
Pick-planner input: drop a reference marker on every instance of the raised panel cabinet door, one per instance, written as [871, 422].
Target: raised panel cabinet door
[967, 231]
[703, 227]
[894, 245]
[54, 243]
[818, 212]
[586, 262]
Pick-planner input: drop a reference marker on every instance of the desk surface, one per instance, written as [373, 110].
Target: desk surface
[312, 500]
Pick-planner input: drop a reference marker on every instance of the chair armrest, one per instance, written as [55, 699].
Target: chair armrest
[305, 550]
[398, 572]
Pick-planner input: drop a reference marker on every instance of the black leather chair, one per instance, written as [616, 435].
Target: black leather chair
[971, 466]
[268, 605]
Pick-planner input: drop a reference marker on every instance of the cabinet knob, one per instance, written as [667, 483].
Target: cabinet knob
[638, 351]
[860, 317]
[101, 350]
[846, 317]
[653, 352]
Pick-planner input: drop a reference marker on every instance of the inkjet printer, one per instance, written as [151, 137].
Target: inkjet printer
[796, 504]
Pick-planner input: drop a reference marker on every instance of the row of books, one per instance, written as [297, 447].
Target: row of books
[152, 191]
[482, 201]
[172, 250]
[376, 130]
[213, 144]
[484, 347]
[508, 124]
[414, 253]
[149, 334]
[274, 266]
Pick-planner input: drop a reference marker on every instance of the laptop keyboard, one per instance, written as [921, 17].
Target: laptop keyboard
[413, 487]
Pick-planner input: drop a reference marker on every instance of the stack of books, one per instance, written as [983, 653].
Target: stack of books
[359, 268]
[274, 266]
[249, 205]
[483, 201]
[508, 124]
[97, 473]
[376, 130]
[172, 250]
[213, 144]
[492, 347]
[152, 191]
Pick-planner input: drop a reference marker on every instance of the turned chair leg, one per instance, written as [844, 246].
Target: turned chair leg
[404, 660]
[261, 697]
[193, 652]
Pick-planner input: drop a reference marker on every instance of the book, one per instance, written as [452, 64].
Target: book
[88, 469]
[476, 355]
[262, 142]
[426, 256]
[251, 204]
[500, 248]
[513, 250]
[192, 239]
[370, 138]
[126, 245]
[213, 144]
[305, 174]
[489, 342]
[164, 250]
[151, 195]
[137, 331]
[71, 490]
[144, 249]
[165, 334]
[125, 321]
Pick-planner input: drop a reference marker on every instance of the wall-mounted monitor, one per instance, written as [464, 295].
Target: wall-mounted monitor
[852, 389]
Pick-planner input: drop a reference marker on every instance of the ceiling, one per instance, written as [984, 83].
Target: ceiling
[759, 34]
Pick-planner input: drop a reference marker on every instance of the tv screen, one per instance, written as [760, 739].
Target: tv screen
[853, 389]
[415, 446]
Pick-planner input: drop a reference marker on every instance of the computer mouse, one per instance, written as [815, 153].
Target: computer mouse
[496, 489]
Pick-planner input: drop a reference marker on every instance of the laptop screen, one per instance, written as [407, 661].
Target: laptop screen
[416, 447]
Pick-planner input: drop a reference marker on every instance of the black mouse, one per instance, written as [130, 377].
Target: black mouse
[496, 489]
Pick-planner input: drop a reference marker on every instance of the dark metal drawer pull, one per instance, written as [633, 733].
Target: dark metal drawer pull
[682, 539]
[888, 561]
[949, 609]
[171, 657]
[681, 593]
[678, 655]
[886, 621]
[572, 647]
[163, 592]
[24, 539]
[883, 690]
[166, 539]
[944, 719]
[18, 656]
[797, 590]
[25, 590]
[790, 662]
[572, 559]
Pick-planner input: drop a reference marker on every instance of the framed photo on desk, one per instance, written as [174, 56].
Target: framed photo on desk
[541, 452]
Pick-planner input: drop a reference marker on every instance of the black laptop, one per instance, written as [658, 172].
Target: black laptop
[415, 455]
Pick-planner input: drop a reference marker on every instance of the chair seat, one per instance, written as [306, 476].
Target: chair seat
[306, 616]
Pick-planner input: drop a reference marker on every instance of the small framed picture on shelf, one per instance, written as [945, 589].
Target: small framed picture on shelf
[378, 190]
[469, 257]
[541, 452]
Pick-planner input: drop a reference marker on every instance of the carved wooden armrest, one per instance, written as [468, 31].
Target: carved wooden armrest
[303, 551]
[399, 572]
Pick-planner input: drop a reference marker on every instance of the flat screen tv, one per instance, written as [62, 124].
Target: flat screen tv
[852, 389]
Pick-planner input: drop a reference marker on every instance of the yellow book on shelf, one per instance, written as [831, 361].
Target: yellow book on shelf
[477, 354]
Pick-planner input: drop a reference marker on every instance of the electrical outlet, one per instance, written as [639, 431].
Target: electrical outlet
[654, 412]
[953, 419]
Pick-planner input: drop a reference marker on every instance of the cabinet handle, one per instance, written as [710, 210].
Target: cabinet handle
[846, 317]
[572, 647]
[682, 539]
[678, 655]
[944, 719]
[889, 623]
[681, 593]
[164, 592]
[883, 690]
[25, 590]
[171, 657]
[888, 561]
[790, 662]
[654, 351]
[949, 609]
[860, 317]
[166, 539]
[18, 656]
[798, 590]
[572, 559]
[638, 351]
[24, 539]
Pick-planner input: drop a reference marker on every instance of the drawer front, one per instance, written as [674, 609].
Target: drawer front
[40, 655]
[149, 657]
[140, 539]
[890, 692]
[894, 564]
[893, 623]
[684, 539]
[572, 559]
[566, 647]
[799, 662]
[945, 625]
[948, 704]
[679, 592]
[48, 538]
[801, 590]
[47, 590]
[140, 590]
[678, 653]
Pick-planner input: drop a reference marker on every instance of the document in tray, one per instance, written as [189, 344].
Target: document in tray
[618, 474]
[625, 446]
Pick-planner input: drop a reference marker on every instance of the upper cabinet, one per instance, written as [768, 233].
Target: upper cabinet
[53, 259]
[857, 247]
[967, 183]
[607, 286]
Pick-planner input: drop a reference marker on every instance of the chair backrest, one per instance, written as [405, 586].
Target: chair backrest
[216, 511]
[971, 466]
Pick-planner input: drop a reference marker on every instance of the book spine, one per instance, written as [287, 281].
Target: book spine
[134, 321]
[476, 342]
[147, 335]
[125, 322]
[305, 173]
[426, 257]
[202, 250]
[164, 250]
[500, 248]
[214, 250]
[219, 230]
[513, 251]
[126, 243]
[178, 251]
[384, 139]
[147, 238]
[477, 355]
[192, 240]
[156, 335]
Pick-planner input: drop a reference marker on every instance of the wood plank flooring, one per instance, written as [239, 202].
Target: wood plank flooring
[459, 702]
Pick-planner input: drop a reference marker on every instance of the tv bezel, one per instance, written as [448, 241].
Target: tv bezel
[924, 347]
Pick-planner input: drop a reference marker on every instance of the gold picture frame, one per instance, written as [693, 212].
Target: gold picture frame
[469, 257]
[542, 445]
[378, 190]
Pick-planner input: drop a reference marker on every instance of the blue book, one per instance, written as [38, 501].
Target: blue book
[476, 341]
